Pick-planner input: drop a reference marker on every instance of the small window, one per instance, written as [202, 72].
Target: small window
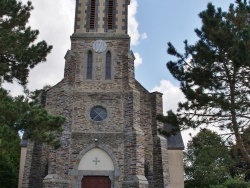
[89, 65]
[108, 66]
[110, 14]
[46, 168]
[92, 15]
[98, 113]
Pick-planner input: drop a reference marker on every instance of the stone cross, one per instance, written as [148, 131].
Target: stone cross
[96, 161]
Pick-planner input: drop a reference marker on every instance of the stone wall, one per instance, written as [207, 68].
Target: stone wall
[134, 143]
[176, 168]
[119, 131]
[160, 157]
[111, 143]
[119, 56]
[35, 166]
[129, 133]
[59, 101]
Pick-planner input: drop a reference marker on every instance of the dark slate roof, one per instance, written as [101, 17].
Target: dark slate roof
[23, 143]
[175, 141]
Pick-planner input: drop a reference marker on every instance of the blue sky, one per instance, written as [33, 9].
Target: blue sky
[166, 21]
[152, 24]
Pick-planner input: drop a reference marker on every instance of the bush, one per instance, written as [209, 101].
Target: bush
[233, 183]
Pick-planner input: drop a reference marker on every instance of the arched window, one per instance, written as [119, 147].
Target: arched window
[89, 65]
[108, 66]
[110, 14]
[92, 14]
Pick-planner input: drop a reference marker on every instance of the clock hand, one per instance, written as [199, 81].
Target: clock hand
[99, 45]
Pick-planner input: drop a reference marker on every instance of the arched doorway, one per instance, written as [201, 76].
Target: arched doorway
[96, 169]
[96, 160]
[96, 182]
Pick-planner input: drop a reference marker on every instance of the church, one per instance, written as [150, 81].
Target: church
[110, 138]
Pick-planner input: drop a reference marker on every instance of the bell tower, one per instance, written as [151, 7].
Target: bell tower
[100, 56]
[97, 16]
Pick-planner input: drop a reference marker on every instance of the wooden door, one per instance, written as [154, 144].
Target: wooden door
[96, 182]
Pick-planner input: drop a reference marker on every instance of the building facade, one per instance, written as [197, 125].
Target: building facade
[110, 138]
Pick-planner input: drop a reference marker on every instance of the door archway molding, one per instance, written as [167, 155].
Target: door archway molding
[114, 174]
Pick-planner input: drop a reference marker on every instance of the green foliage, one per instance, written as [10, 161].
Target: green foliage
[206, 160]
[26, 116]
[8, 172]
[215, 73]
[171, 118]
[9, 157]
[233, 183]
[18, 52]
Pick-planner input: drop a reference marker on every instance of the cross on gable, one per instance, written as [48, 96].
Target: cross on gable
[96, 161]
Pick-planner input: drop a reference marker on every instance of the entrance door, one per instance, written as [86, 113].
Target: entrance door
[96, 182]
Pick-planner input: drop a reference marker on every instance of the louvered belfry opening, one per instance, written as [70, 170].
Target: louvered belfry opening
[92, 14]
[110, 16]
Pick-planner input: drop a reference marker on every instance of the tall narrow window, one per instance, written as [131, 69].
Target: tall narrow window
[92, 14]
[108, 66]
[46, 167]
[110, 14]
[89, 65]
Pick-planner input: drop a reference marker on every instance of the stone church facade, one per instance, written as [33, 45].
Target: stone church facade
[110, 137]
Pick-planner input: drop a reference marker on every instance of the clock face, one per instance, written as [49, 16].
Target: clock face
[99, 46]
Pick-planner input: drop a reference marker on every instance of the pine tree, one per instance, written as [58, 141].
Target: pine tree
[18, 51]
[215, 73]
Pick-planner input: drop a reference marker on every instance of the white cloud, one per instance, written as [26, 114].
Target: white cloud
[144, 36]
[55, 22]
[138, 59]
[133, 24]
[172, 95]
[133, 31]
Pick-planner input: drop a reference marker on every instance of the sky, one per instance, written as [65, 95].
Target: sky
[152, 24]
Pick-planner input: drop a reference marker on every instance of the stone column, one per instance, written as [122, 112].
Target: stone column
[23, 145]
[53, 180]
[70, 67]
[128, 72]
[134, 148]
[160, 157]
[35, 165]
[59, 102]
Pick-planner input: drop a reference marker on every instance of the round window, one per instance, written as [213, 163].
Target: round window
[98, 113]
